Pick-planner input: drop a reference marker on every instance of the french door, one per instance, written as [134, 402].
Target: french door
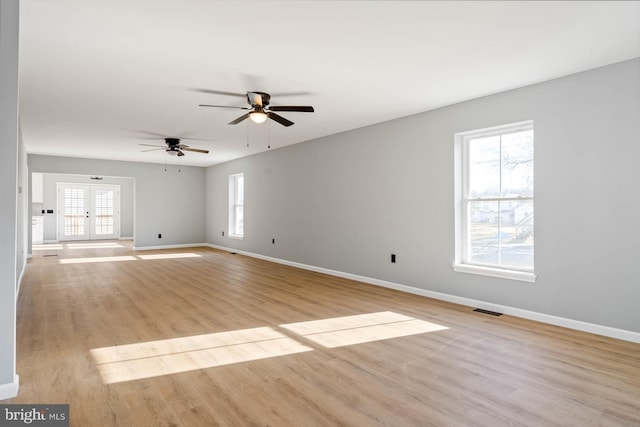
[88, 212]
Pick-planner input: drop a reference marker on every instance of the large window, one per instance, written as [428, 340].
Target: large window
[494, 201]
[236, 205]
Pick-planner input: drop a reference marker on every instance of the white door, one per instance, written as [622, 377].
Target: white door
[88, 212]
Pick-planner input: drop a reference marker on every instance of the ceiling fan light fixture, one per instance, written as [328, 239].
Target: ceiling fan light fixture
[258, 116]
[172, 152]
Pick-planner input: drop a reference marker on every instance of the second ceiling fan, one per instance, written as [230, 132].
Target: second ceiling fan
[174, 147]
[260, 109]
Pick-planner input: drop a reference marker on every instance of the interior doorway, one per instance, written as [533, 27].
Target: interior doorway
[88, 211]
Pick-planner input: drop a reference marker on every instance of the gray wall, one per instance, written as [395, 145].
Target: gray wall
[9, 183]
[167, 202]
[23, 223]
[345, 202]
[50, 182]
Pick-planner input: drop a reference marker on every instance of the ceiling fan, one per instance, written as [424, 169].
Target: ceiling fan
[173, 147]
[260, 109]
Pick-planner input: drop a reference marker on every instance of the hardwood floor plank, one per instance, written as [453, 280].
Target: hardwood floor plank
[201, 337]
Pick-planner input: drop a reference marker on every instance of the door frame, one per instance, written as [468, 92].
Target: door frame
[89, 188]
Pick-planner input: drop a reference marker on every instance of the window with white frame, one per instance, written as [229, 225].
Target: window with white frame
[236, 205]
[494, 202]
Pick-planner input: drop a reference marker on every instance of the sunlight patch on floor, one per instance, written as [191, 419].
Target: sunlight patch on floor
[171, 356]
[62, 246]
[361, 328]
[96, 259]
[128, 258]
[169, 256]
[47, 247]
[151, 359]
[98, 245]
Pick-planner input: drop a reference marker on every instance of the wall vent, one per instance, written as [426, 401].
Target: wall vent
[483, 311]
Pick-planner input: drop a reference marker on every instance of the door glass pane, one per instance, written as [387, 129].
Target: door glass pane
[74, 212]
[104, 212]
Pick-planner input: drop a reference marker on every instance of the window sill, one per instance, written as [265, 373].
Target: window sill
[523, 276]
[235, 237]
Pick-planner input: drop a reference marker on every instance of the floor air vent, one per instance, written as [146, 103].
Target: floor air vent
[50, 255]
[492, 313]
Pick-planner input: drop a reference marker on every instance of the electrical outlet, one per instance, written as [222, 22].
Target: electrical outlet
[273, 241]
[393, 258]
[159, 236]
[223, 234]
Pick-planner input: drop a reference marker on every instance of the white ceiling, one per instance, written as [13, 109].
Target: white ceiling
[96, 74]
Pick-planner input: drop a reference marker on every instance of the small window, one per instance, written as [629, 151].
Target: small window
[236, 205]
[494, 202]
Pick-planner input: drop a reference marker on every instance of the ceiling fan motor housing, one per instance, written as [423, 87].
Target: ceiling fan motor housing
[265, 98]
[172, 142]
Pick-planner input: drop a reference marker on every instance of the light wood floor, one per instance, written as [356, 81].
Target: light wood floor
[208, 340]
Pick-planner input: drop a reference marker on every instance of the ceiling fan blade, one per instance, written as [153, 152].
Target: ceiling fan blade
[180, 153]
[153, 149]
[280, 119]
[239, 119]
[279, 94]
[195, 150]
[151, 134]
[153, 145]
[302, 109]
[198, 139]
[223, 106]
[219, 92]
[163, 136]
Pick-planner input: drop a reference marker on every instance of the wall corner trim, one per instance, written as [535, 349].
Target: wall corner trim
[19, 284]
[10, 390]
[578, 325]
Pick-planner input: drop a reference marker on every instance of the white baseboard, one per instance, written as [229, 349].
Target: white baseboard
[50, 241]
[187, 245]
[125, 238]
[9, 390]
[593, 328]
